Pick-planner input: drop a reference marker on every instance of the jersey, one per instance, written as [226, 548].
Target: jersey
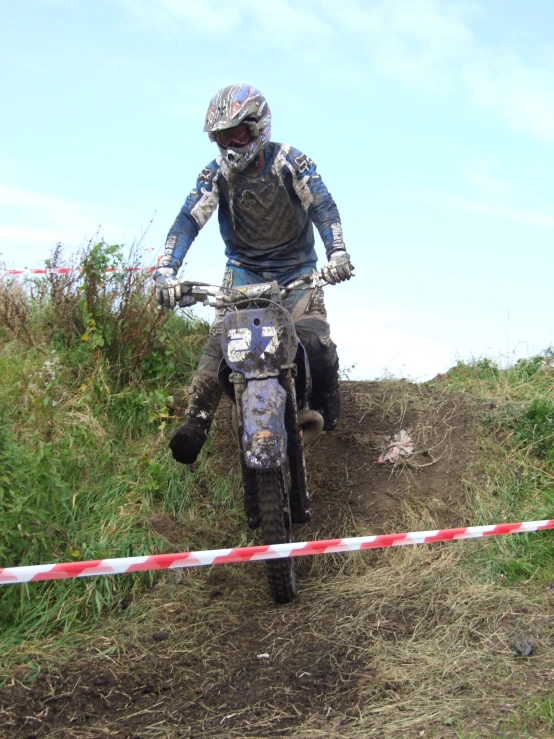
[265, 218]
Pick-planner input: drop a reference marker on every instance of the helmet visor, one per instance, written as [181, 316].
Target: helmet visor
[237, 136]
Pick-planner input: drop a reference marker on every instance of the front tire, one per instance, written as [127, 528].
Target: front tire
[276, 523]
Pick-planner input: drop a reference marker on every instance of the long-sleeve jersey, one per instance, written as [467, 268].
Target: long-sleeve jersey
[265, 218]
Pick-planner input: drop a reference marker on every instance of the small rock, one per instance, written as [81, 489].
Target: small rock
[523, 648]
[160, 636]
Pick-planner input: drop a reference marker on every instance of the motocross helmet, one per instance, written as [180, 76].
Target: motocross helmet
[239, 121]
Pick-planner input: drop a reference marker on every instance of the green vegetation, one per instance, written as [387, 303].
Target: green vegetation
[92, 380]
[518, 414]
[90, 374]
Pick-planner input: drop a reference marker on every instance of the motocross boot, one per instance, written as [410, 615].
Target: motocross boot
[328, 404]
[188, 440]
[324, 368]
[325, 386]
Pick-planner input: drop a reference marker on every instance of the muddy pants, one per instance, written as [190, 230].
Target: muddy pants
[309, 316]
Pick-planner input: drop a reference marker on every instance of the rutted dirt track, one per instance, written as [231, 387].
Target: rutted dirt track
[354, 656]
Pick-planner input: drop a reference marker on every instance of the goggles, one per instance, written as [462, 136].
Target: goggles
[237, 136]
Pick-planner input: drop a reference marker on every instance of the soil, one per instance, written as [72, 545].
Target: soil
[215, 657]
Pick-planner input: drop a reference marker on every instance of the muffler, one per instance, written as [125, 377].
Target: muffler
[311, 423]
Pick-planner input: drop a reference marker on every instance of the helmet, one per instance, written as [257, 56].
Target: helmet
[239, 121]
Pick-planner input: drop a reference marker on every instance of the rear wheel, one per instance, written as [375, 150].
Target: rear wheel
[273, 499]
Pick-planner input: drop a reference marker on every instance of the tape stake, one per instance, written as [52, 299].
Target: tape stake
[119, 566]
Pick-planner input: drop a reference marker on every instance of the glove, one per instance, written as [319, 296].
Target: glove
[339, 267]
[168, 287]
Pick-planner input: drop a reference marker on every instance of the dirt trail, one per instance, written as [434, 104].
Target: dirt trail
[215, 658]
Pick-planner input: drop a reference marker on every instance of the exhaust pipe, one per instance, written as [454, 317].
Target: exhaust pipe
[311, 423]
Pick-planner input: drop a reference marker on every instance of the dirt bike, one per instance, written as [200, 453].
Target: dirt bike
[265, 372]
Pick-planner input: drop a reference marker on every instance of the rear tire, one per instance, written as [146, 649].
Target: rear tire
[273, 499]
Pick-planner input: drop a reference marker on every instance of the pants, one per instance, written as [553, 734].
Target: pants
[307, 309]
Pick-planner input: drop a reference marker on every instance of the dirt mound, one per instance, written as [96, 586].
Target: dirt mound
[216, 658]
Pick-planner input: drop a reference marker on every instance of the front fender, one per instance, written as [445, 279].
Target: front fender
[264, 440]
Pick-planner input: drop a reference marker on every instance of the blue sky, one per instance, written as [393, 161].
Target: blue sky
[431, 121]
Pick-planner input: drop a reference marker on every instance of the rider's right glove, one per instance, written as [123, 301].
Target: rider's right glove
[338, 268]
[168, 287]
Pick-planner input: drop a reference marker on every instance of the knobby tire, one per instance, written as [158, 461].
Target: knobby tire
[276, 527]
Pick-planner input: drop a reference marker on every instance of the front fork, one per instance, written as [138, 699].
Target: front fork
[299, 497]
[249, 484]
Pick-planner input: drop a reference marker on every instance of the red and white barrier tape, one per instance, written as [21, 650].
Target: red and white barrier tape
[35, 573]
[68, 270]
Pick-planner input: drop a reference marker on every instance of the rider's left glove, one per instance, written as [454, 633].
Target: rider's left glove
[168, 287]
[338, 268]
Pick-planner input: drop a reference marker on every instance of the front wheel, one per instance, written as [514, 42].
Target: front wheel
[275, 518]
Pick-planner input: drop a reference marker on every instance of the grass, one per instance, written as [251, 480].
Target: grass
[84, 460]
[386, 643]
[517, 480]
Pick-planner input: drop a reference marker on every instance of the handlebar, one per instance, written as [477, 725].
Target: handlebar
[201, 292]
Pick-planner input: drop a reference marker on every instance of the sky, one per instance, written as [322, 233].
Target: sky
[431, 123]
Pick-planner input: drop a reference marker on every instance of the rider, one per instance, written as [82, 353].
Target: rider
[268, 195]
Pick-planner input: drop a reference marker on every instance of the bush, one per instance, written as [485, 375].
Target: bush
[106, 306]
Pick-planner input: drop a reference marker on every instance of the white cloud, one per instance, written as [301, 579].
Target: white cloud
[414, 41]
[443, 200]
[72, 4]
[281, 22]
[428, 45]
[284, 20]
[523, 96]
[65, 215]
[481, 180]
[279, 19]
[208, 15]
[31, 223]
[17, 196]
[26, 233]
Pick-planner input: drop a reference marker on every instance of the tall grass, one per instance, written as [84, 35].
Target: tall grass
[90, 374]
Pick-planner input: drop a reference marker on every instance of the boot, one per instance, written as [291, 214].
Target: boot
[188, 440]
[324, 367]
[328, 404]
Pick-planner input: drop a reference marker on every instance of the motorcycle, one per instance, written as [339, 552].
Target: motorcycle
[266, 374]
